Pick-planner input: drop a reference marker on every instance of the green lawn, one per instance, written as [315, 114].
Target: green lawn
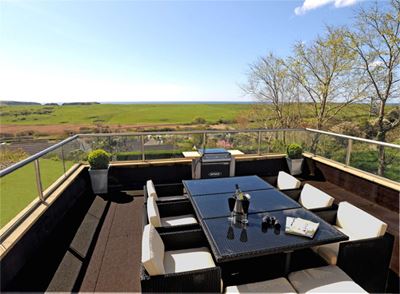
[18, 189]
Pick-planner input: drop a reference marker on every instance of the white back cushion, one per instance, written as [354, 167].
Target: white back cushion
[152, 212]
[151, 190]
[152, 251]
[286, 181]
[311, 197]
[359, 222]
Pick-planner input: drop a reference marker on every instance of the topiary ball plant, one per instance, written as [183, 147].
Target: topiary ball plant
[294, 151]
[99, 159]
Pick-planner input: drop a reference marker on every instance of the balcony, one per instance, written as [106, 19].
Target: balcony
[60, 236]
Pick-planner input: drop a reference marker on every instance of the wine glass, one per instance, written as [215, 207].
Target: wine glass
[245, 206]
[231, 203]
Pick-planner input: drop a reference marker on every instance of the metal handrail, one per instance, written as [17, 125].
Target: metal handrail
[355, 138]
[187, 132]
[32, 158]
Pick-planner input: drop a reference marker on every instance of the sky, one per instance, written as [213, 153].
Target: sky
[75, 51]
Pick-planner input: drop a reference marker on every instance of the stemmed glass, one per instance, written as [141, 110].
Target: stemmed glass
[231, 203]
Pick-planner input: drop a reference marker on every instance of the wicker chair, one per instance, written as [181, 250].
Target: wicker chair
[165, 192]
[169, 216]
[312, 198]
[287, 182]
[366, 256]
[178, 262]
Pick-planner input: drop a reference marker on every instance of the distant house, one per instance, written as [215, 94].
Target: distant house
[224, 144]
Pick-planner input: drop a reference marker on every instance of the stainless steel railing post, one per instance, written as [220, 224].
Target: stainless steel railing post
[142, 146]
[63, 159]
[348, 152]
[38, 180]
[204, 140]
[259, 143]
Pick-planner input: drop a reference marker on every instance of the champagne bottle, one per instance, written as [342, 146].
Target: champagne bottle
[238, 193]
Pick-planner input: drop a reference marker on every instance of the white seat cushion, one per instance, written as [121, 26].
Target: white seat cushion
[152, 251]
[311, 198]
[357, 222]
[179, 220]
[151, 190]
[152, 212]
[185, 260]
[326, 279]
[286, 181]
[280, 285]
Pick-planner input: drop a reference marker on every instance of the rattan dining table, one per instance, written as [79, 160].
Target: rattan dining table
[231, 240]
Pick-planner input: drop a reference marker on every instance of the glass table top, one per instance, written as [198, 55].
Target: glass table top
[232, 241]
[216, 205]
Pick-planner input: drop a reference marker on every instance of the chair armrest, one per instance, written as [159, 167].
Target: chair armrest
[367, 261]
[328, 215]
[271, 180]
[203, 280]
[334, 208]
[174, 208]
[292, 193]
[169, 189]
[184, 239]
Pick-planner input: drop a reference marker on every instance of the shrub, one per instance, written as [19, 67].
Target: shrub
[99, 159]
[199, 120]
[294, 151]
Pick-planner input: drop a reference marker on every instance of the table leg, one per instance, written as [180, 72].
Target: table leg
[288, 256]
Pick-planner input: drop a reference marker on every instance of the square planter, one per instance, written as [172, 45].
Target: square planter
[294, 166]
[99, 179]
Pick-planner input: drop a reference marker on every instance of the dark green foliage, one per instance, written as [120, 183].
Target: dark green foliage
[99, 159]
[294, 151]
[153, 154]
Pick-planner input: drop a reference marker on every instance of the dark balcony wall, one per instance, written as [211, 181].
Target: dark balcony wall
[262, 167]
[31, 242]
[374, 192]
[135, 176]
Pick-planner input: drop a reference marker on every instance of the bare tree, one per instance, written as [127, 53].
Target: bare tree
[324, 70]
[270, 84]
[376, 41]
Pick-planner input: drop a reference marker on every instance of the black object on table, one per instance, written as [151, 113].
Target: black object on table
[225, 185]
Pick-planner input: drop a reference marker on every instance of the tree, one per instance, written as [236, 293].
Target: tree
[376, 41]
[270, 84]
[324, 70]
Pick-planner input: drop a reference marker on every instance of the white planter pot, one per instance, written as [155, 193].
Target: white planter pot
[294, 166]
[99, 179]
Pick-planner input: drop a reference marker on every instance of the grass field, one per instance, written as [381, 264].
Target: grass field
[119, 114]
[18, 189]
[131, 114]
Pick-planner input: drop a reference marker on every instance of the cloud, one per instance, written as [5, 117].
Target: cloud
[314, 4]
